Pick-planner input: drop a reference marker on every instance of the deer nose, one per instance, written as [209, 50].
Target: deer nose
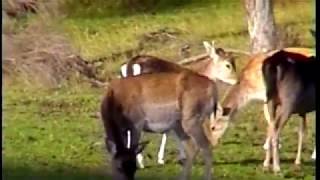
[213, 128]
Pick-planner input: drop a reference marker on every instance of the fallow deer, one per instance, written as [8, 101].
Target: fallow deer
[290, 89]
[217, 65]
[250, 87]
[159, 103]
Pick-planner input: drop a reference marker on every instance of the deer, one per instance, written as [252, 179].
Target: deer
[250, 87]
[290, 89]
[217, 65]
[157, 103]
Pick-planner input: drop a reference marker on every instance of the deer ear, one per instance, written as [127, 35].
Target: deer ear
[140, 147]
[221, 52]
[226, 111]
[214, 52]
[207, 46]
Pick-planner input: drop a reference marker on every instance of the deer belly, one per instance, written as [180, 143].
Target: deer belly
[160, 119]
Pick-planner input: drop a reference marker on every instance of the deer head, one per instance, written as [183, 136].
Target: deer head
[223, 66]
[219, 124]
[124, 161]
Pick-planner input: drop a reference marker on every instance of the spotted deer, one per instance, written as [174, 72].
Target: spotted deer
[218, 65]
[250, 87]
[290, 89]
[158, 103]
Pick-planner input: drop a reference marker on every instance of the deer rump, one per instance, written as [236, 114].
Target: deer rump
[291, 76]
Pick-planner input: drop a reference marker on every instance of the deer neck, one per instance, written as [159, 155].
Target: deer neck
[238, 97]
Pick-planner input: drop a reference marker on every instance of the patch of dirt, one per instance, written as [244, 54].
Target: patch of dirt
[37, 55]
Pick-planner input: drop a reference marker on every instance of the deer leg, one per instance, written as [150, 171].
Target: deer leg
[313, 156]
[301, 133]
[196, 132]
[266, 163]
[270, 108]
[203, 143]
[190, 149]
[268, 119]
[140, 160]
[275, 151]
[162, 148]
[281, 119]
[182, 154]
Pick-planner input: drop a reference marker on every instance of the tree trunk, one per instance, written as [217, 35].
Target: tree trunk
[261, 25]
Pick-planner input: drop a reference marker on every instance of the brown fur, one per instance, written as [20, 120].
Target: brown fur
[250, 87]
[159, 103]
[251, 79]
[290, 81]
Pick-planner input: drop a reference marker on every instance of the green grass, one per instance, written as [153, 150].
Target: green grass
[50, 134]
[103, 34]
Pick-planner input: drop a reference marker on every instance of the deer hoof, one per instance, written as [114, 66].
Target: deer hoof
[278, 173]
[160, 161]
[276, 170]
[313, 156]
[141, 166]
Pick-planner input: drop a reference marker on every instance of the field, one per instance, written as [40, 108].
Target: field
[53, 134]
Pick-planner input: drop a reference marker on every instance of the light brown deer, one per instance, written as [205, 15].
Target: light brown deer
[250, 87]
[218, 65]
[158, 103]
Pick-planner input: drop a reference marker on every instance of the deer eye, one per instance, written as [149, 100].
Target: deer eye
[228, 66]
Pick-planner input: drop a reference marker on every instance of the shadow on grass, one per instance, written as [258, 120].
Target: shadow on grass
[15, 173]
[259, 162]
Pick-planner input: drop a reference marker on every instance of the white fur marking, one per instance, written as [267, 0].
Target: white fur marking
[313, 156]
[291, 60]
[162, 148]
[136, 69]
[140, 160]
[229, 81]
[207, 46]
[124, 70]
[129, 139]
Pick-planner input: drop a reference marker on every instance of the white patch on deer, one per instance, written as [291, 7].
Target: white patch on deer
[140, 160]
[124, 70]
[291, 61]
[129, 139]
[136, 69]
[313, 156]
[229, 81]
[162, 148]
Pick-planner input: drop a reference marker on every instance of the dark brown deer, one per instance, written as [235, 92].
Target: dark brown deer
[159, 103]
[290, 82]
[217, 65]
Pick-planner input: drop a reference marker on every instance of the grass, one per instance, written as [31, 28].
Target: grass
[104, 34]
[51, 134]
